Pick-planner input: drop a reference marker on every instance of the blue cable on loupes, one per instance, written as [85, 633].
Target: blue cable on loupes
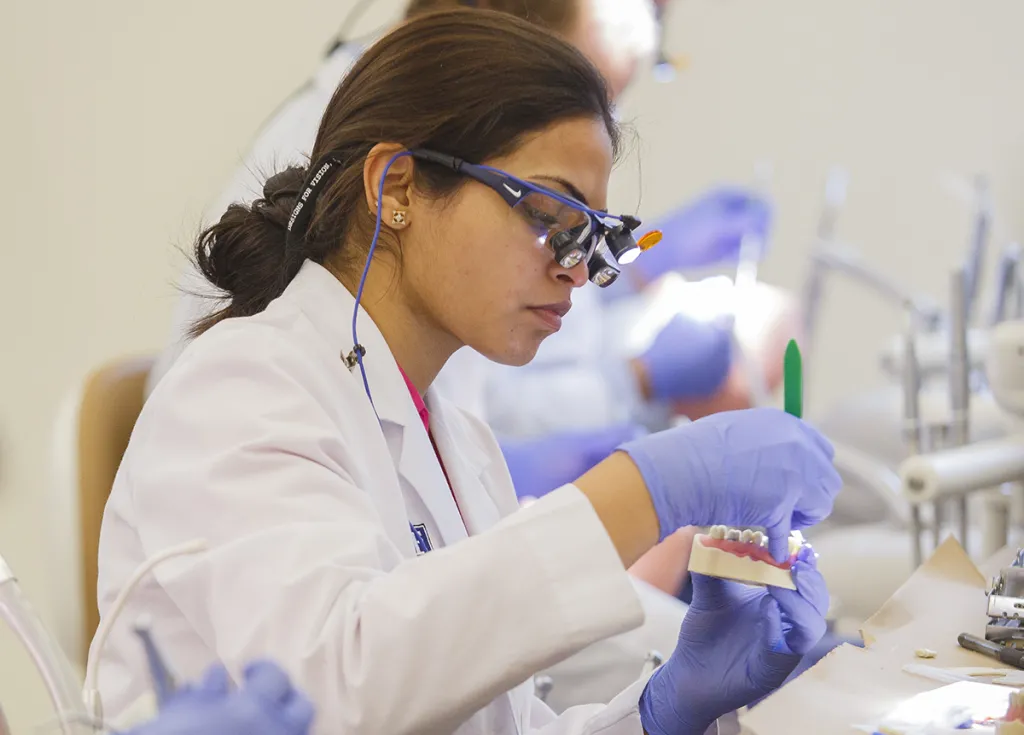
[358, 349]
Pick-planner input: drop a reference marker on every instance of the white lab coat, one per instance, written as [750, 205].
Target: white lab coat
[566, 376]
[263, 442]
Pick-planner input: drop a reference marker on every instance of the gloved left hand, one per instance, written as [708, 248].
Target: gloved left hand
[688, 359]
[706, 232]
[545, 463]
[737, 644]
[265, 704]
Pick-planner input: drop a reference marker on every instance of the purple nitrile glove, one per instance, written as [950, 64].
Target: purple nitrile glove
[265, 704]
[756, 467]
[688, 359]
[737, 644]
[706, 232]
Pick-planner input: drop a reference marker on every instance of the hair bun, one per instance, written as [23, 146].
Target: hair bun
[280, 193]
[285, 183]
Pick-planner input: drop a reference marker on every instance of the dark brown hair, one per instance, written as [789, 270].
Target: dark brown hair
[555, 15]
[469, 83]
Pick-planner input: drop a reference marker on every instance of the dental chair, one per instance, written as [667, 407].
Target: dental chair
[91, 435]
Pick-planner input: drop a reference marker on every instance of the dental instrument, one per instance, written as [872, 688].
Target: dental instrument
[163, 681]
[1005, 654]
[793, 380]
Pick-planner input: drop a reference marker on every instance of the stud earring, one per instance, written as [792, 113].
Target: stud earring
[398, 217]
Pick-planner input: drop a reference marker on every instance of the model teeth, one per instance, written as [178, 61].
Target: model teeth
[796, 542]
[756, 538]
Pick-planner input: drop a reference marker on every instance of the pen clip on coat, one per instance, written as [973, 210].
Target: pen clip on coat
[90, 692]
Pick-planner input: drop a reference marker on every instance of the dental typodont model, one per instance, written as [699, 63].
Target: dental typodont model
[1013, 722]
[742, 555]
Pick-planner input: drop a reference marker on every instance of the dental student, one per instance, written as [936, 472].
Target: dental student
[573, 405]
[362, 531]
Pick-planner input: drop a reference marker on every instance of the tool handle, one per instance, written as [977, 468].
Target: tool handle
[1012, 656]
[793, 380]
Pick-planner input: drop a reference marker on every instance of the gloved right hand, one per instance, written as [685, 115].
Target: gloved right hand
[266, 704]
[688, 359]
[756, 467]
[737, 644]
[541, 464]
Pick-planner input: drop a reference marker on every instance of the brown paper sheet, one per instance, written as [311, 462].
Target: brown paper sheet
[853, 686]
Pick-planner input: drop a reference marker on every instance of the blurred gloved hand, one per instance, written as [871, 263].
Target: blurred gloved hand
[756, 467]
[706, 232]
[688, 359]
[542, 464]
[737, 644]
[266, 704]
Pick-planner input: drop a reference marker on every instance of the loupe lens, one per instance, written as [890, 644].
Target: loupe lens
[567, 250]
[545, 214]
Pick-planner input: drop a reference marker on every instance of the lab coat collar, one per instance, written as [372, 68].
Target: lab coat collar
[328, 304]
[466, 462]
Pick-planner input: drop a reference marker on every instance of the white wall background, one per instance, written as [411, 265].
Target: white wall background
[119, 119]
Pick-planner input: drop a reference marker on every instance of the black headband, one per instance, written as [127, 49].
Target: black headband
[319, 175]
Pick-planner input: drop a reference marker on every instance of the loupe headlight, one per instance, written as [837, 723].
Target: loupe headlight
[621, 243]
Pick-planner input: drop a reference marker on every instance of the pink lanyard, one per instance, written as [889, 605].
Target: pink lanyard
[424, 412]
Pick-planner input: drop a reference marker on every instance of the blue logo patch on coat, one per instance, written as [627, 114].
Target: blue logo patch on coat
[419, 532]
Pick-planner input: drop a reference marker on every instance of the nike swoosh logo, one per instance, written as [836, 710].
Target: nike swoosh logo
[512, 191]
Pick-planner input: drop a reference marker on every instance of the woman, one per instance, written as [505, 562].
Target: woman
[365, 537]
[615, 37]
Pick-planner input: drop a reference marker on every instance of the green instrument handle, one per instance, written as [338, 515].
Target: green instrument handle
[793, 380]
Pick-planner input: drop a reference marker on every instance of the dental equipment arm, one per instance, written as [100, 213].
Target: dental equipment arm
[978, 246]
[828, 255]
[835, 197]
[857, 467]
[933, 350]
[913, 431]
[963, 470]
[845, 260]
[919, 477]
[959, 376]
[932, 353]
[1008, 303]
[58, 676]
[952, 473]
